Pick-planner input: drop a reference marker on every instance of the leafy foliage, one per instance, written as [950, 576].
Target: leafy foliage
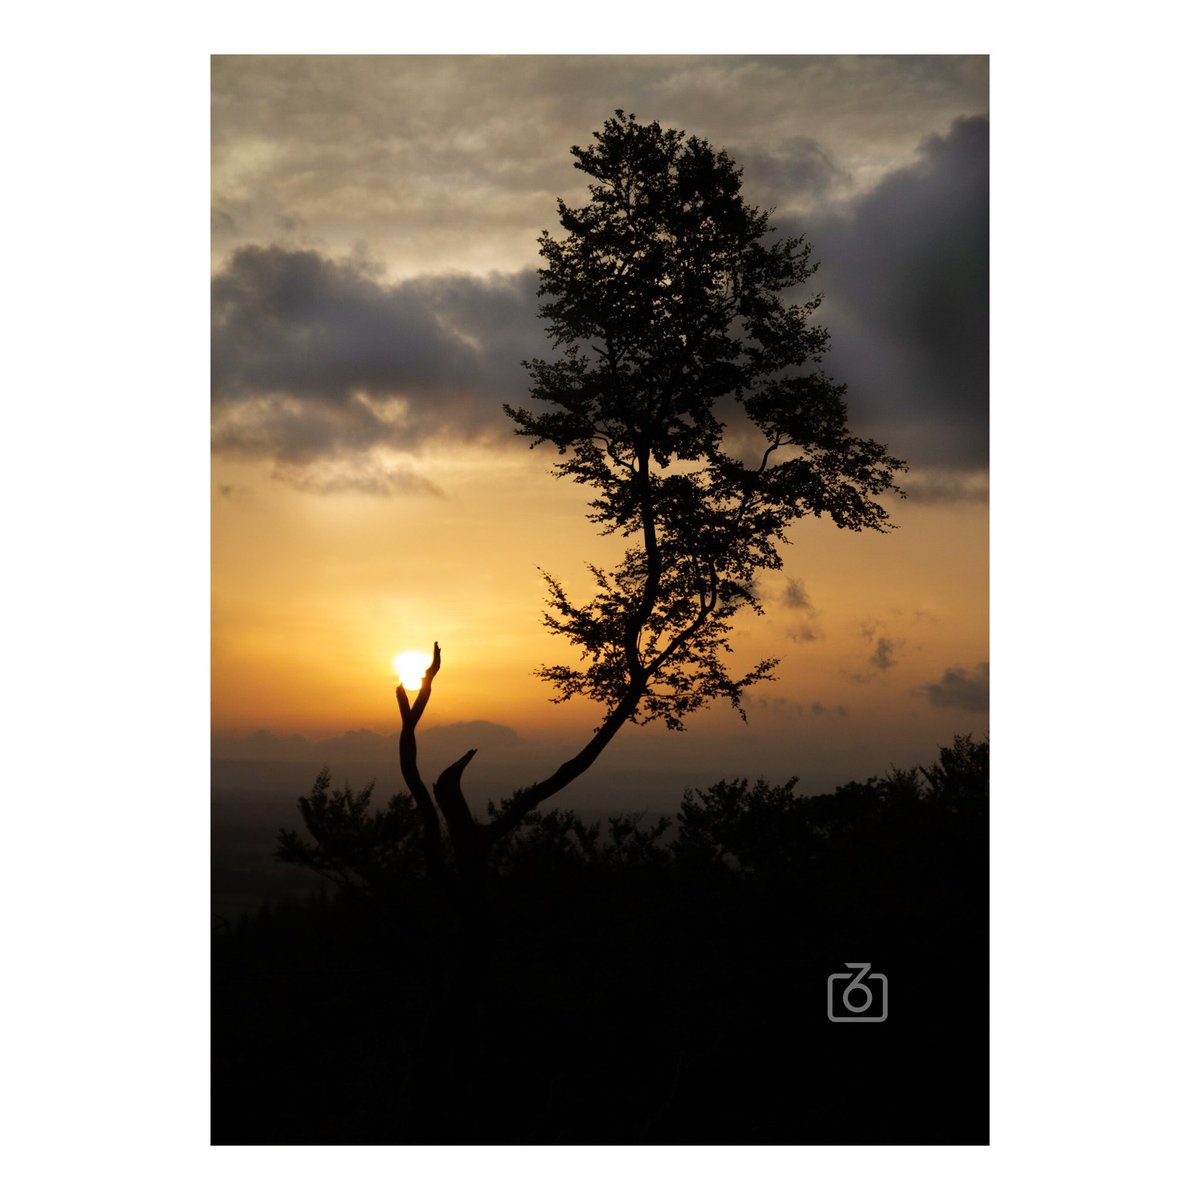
[562, 838]
[690, 398]
[959, 779]
[760, 829]
[651, 984]
[354, 845]
[766, 829]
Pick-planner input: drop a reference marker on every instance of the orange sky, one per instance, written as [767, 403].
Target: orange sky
[313, 595]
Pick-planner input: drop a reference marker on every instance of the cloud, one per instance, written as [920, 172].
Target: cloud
[946, 486]
[884, 656]
[959, 688]
[800, 168]
[823, 710]
[794, 596]
[363, 475]
[803, 633]
[316, 360]
[415, 155]
[904, 272]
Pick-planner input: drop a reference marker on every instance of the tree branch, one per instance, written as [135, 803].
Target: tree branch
[410, 714]
[525, 801]
[637, 620]
[685, 635]
[447, 790]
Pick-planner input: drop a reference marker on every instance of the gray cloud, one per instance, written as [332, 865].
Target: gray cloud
[885, 654]
[794, 596]
[453, 162]
[904, 271]
[361, 475]
[803, 633]
[959, 688]
[800, 169]
[315, 359]
[946, 486]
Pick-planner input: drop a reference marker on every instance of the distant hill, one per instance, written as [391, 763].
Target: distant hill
[361, 745]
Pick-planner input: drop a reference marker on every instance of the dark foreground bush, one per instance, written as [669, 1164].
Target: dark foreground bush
[648, 981]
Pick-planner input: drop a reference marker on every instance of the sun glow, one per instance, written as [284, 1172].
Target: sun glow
[411, 666]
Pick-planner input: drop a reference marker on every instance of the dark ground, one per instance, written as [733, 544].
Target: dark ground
[669, 990]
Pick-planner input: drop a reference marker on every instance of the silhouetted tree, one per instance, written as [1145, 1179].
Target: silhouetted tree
[689, 398]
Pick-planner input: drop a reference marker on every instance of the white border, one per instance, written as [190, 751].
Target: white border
[105, 495]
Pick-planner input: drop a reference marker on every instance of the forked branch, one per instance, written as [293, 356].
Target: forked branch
[410, 714]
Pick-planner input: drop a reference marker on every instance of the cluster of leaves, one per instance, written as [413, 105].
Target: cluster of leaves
[958, 781]
[768, 829]
[357, 846]
[561, 837]
[679, 660]
[690, 399]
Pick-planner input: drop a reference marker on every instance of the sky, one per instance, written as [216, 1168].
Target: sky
[374, 257]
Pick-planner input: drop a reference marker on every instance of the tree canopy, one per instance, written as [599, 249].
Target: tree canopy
[689, 396]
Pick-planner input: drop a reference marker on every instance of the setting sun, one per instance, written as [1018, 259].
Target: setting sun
[411, 666]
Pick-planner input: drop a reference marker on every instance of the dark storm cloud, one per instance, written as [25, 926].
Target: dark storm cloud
[959, 688]
[904, 272]
[315, 359]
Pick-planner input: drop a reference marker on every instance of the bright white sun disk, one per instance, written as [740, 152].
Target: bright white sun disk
[411, 667]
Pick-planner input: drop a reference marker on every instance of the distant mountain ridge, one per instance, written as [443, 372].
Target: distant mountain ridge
[362, 745]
